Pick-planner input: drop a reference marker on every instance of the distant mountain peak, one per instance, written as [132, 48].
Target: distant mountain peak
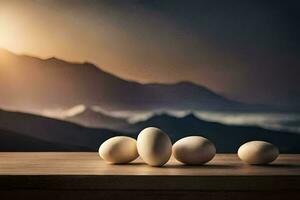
[191, 116]
[162, 117]
[166, 116]
[56, 60]
[88, 63]
[88, 111]
[53, 58]
[94, 118]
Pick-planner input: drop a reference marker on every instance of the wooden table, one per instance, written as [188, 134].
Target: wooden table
[86, 176]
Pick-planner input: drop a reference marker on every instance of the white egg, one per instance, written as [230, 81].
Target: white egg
[154, 146]
[118, 150]
[194, 150]
[258, 152]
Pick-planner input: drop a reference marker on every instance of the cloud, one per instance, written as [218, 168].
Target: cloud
[62, 113]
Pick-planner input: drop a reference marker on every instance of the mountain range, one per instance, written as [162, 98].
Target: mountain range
[227, 138]
[28, 132]
[60, 133]
[96, 119]
[32, 84]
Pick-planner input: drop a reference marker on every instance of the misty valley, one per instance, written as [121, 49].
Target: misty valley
[54, 105]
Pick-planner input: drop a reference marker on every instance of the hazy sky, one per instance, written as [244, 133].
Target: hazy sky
[248, 50]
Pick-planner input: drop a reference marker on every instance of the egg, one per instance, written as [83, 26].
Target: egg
[118, 150]
[154, 146]
[258, 152]
[194, 150]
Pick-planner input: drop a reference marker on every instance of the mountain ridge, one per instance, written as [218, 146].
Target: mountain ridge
[95, 119]
[34, 84]
[54, 131]
[227, 138]
[60, 134]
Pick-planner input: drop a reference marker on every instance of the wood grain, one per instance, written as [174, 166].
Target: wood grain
[86, 176]
[90, 164]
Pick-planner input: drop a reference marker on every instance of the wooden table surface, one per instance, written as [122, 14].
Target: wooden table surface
[91, 164]
[86, 171]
